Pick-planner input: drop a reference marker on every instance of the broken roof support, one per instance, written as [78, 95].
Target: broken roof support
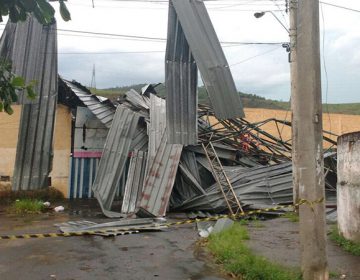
[32, 49]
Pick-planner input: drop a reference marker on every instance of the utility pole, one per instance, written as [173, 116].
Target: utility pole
[309, 163]
[293, 9]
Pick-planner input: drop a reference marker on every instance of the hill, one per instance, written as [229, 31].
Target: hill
[248, 100]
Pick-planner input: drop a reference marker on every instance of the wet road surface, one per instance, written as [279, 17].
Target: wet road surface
[152, 255]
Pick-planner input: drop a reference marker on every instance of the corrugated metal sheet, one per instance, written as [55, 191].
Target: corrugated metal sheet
[32, 48]
[181, 85]
[135, 181]
[210, 58]
[113, 161]
[257, 188]
[103, 110]
[137, 100]
[82, 175]
[156, 127]
[124, 224]
[161, 177]
[141, 140]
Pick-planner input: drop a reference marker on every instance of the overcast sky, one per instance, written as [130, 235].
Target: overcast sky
[258, 69]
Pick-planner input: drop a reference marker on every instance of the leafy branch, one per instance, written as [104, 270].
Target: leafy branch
[10, 85]
[18, 10]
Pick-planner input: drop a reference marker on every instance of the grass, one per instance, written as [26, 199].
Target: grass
[229, 249]
[349, 246]
[26, 206]
[292, 216]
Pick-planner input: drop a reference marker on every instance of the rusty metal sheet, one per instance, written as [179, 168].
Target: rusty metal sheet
[161, 177]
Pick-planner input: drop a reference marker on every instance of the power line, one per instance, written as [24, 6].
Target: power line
[113, 35]
[119, 52]
[341, 7]
[252, 57]
[158, 39]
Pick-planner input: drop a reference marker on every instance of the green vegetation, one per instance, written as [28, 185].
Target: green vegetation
[230, 250]
[43, 11]
[249, 100]
[26, 206]
[347, 245]
[10, 84]
[48, 194]
[292, 216]
[19, 10]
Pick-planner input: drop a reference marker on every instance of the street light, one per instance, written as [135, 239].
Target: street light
[260, 14]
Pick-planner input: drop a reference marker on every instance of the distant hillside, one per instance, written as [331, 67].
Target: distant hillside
[248, 100]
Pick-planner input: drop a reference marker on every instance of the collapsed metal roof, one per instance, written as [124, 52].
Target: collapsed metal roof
[135, 181]
[32, 49]
[101, 107]
[156, 127]
[161, 177]
[181, 85]
[209, 56]
[115, 155]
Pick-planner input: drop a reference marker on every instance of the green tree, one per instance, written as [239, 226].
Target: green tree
[19, 10]
[10, 84]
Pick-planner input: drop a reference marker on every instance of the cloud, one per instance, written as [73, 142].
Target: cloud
[259, 71]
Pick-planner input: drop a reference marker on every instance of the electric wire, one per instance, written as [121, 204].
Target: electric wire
[325, 67]
[255, 56]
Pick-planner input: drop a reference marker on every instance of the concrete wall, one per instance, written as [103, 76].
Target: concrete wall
[9, 127]
[348, 186]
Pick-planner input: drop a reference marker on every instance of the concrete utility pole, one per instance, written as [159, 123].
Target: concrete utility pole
[307, 126]
[293, 9]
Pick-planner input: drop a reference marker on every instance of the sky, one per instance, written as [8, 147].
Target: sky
[256, 69]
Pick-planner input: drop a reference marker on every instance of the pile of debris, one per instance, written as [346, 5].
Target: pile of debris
[235, 165]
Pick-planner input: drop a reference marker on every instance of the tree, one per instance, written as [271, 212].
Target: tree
[9, 85]
[19, 10]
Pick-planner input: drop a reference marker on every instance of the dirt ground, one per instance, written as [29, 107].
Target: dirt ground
[171, 254]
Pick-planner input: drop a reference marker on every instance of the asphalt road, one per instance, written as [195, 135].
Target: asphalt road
[169, 254]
